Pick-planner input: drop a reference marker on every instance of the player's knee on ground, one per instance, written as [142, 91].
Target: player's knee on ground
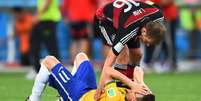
[50, 62]
[80, 57]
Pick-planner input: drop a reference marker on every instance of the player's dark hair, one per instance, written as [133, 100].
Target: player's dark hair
[156, 31]
[149, 97]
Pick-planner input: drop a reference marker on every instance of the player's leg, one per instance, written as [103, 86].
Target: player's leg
[59, 78]
[70, 86]
[42, 77]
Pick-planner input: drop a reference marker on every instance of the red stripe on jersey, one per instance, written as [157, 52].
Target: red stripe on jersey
[116, 15]
[134, 18]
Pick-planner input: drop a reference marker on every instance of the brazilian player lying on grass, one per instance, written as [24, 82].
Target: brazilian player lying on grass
[80, 84]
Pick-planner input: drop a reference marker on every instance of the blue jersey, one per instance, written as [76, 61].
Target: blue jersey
[72, 87]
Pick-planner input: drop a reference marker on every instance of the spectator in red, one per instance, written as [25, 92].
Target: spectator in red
[79, 15]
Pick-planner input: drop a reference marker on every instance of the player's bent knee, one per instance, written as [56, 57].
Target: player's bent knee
[80, 57]
[50, 62]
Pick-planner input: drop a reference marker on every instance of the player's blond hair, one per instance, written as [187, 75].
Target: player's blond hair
[156, 31]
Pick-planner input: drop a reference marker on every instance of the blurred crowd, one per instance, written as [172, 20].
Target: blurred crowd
[65, 27]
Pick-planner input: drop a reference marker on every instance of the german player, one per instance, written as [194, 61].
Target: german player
[80, 84]
[122, 24]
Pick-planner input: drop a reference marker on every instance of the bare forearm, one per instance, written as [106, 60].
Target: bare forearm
[105, 76]
[138, 75]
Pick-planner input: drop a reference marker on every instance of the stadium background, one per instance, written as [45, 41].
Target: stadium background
[179, 86]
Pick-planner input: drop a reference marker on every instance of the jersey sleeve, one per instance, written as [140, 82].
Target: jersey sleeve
[121, 40]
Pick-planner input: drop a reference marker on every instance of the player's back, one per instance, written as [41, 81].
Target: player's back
[111, 93]
[123, 13]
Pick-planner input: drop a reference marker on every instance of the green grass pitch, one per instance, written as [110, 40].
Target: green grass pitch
[167, 87]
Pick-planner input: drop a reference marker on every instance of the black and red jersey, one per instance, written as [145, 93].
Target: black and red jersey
[118, 23]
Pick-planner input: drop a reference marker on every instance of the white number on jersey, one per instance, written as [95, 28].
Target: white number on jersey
[121, 3]
[63, 76]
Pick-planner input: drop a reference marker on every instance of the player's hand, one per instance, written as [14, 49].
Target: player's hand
[97, 94]
[130, 95]
[148, 90]
[139, 88]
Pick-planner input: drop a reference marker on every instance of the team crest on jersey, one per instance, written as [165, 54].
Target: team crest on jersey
[111, 92]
